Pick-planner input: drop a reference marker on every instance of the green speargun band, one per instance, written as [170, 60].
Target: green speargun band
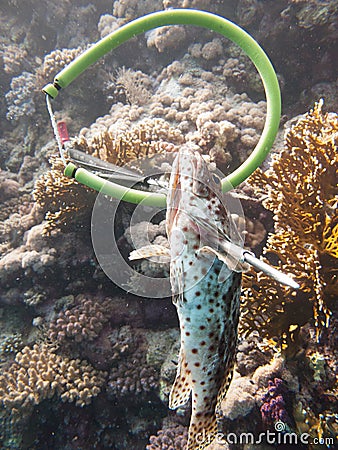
[149, 22]
[179, 17]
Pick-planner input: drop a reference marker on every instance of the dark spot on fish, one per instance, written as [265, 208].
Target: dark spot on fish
[187, 333]
[212, 348]
[198, 293]
[202, 343]
[211, 335]
[187, 319]
[198, 306]
[211, 300]
[211, 310]
[194, 350]
[202, 327]
[197, 364]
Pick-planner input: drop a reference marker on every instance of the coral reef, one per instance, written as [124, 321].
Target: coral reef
[174, 437]
[159, 90]
[82, 322]
[19, 98]
[38, 373]
[13, 57]
[11, 344]
[273, 408]
[131, 374]
[132, 86]
[107, 140]
[301, 191]
[60, 198]
[54, 62]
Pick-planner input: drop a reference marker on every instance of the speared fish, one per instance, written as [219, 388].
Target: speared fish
[206, 260]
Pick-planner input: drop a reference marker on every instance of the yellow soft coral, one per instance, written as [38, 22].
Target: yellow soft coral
[301, 190]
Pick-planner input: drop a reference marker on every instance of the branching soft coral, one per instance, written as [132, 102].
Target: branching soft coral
[301, 190]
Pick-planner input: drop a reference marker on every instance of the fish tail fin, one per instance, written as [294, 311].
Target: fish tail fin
[202, 431]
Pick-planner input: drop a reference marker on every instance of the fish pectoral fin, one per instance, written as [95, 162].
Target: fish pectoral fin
[231, 259]
[149, 251]
[180, 392]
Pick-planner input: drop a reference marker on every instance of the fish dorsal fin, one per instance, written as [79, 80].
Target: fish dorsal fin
[180, 392]
[232, 260]
[150, 250]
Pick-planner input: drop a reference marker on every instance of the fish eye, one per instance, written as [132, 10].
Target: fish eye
[216, 179]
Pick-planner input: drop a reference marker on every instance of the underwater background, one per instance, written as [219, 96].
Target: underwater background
[85, 363]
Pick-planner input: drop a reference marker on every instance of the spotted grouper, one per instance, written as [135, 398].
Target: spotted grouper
[206, 283]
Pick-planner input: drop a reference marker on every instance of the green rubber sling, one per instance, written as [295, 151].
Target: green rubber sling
[180, 17]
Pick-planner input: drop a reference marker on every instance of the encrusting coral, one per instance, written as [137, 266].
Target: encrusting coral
[301, 191]
[38, 373]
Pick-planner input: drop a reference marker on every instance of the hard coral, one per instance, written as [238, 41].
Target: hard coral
[20, 97]
[301, 190]
[60, 198]
[171, 438]
[274, 408]
[131, 374]
[55, 61]
[38, 373]
[82, 322]
[147, 138]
